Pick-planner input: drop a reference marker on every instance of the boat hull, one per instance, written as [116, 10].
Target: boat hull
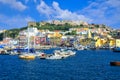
[27, 57]
[116, 63]
[116, 49]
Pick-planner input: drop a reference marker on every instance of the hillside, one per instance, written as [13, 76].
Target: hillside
[64, 27]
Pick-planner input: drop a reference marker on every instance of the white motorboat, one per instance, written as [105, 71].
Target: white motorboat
[39, 53]
[56, 55]
[65, 53]
[71, 52]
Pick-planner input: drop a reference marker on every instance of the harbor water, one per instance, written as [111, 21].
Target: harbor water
[85, 65]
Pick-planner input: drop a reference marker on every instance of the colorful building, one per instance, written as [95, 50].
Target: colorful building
[100, 42]
[112, 42]
[117, 42]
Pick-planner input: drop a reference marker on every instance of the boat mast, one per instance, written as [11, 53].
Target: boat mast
[28, 38]
[34, 40]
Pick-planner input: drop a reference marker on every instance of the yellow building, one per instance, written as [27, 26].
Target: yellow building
[96, 37]
[100, 42]
[86, 29]
[112, 42]
[55, 34]
[89, 34]
[117, 42]
[55, 38]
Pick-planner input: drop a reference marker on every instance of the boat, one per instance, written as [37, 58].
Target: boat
[43, 56]
[28, 55]
[60, 54]
[116, 49]
[54, 56]
[115, 63]
[79, 47]
[67, 53]
[4, 52]
[17, 51]
[117, 45]
[71, 52]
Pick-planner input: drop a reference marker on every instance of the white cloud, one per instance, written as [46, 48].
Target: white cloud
[28, 19]
[14, 4]
[44, 9]
[14, 22]
[35, 1]
[104, 12]
[114, 3]
[55, 12]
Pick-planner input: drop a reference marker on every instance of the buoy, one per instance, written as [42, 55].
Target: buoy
[115, 63]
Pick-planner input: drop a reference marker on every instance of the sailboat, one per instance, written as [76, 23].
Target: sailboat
[28, 55]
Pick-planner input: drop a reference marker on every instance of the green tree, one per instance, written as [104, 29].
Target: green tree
[97, 26]
[37, 23]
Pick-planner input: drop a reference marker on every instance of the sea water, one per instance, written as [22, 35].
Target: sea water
[85, 65]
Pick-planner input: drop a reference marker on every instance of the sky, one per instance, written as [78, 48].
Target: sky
[17, 13]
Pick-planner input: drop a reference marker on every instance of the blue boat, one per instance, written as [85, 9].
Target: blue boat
[2, 46]
[20, 50]
[116, 49]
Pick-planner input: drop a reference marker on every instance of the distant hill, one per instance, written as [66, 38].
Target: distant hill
[13, 33]
[50, 26]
